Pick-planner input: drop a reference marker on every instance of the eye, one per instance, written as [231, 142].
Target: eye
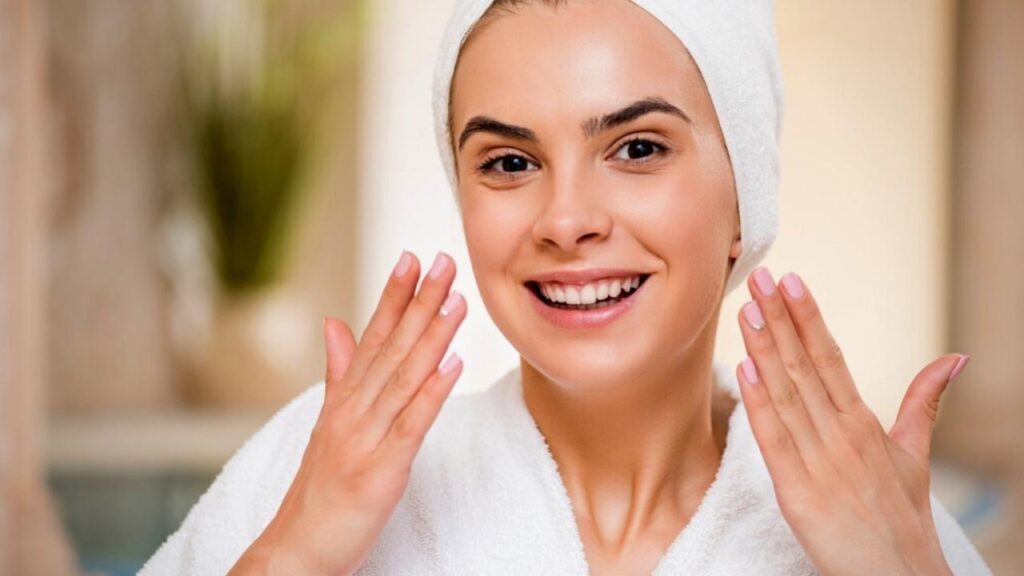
[640, 150]
[506, 164]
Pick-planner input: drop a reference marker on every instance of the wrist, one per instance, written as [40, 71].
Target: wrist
[265, 557]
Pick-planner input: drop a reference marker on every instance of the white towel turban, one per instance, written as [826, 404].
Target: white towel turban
[733, 43]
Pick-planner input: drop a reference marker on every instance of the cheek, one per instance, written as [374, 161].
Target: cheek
[689, 229]
[493, 236]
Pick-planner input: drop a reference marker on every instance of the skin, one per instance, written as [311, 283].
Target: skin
[627, 410]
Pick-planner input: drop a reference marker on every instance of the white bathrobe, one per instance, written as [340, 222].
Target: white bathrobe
[485, 497]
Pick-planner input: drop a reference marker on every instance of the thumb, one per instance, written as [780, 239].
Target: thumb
[920, 407]
[340, 346]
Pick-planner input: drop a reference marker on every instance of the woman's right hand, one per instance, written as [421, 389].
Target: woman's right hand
[381, 397]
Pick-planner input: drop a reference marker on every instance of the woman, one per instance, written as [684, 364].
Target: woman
[612, 192]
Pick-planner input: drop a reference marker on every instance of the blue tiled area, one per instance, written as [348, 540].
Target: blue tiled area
[117, 521]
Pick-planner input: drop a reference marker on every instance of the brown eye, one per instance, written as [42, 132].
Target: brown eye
[507, 163]
[638, 148]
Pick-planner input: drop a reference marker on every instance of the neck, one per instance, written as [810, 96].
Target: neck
[629, 455]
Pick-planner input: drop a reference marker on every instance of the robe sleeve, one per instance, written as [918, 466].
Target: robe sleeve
[961, 555]
[243, 498]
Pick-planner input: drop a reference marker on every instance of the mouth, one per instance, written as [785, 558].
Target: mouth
[594, 295]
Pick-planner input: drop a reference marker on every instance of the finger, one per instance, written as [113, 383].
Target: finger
[340, 345]
[825, 354]
[779, 387]
[780, 454]
[793, 356]
[398, 292]
[410, 375]
[406, 435]
[920, 407]
[418, 315]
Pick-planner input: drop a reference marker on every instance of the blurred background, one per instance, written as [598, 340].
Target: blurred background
[188, 186]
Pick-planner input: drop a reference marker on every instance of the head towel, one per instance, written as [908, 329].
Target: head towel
[733, 44]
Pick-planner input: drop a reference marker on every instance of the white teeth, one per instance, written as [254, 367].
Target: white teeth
[589, 294]
[572, 295]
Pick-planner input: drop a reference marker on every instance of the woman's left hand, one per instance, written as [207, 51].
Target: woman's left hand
[856, 498]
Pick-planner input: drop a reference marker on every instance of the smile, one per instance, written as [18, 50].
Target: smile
[593, 304]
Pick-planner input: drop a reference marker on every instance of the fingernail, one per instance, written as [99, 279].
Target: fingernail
[765, 282]
[403, 265]
[752, 313]
[440, 263]
[958, 368]
[450, 364]
[449, 303]
[793, 285]
[749, 370]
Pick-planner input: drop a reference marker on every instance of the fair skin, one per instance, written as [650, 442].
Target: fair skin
[626, 407]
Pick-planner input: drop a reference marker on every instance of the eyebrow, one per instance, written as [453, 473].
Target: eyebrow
[591, 127]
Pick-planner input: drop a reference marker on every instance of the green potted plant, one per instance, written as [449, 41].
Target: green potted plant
[256, 97]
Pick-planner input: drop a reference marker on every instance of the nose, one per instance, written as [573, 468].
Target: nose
[572, 215]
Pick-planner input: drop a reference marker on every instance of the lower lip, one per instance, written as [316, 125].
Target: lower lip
[584, 319]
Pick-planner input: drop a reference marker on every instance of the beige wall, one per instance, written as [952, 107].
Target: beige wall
[865, 183]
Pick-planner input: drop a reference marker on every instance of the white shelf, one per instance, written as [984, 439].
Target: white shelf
[180, 441]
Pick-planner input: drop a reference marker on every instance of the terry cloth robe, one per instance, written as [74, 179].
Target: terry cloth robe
[485, 498]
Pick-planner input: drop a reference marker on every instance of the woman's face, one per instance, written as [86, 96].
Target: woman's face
[589, 153]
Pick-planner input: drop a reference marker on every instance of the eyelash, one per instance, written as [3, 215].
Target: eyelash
[660, 150]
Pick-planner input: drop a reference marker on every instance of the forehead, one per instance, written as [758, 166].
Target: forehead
[572, 62]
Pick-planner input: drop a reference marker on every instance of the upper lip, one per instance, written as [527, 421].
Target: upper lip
[584, 276]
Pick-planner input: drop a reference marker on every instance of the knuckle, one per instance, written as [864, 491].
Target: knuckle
[402, 380]
[799, 365]
[392, 351]
[780, 441]
[830, 357]
[374, 338]
[866, 433]
[787, 399]
[930, 407]
[406, 427]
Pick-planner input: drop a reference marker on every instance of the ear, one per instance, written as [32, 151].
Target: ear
[736, 249]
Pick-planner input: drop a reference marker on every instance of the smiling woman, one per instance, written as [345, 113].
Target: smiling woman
[616, 168]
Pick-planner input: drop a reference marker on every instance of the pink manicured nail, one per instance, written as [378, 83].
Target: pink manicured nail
[765, 282]
[749, 370]
[403, 265]
[958, 368]
[440, 263]
[450, 364]
[449, 303]
[752, 313]
[793, 285]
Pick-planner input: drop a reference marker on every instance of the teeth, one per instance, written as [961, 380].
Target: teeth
[589, 294]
